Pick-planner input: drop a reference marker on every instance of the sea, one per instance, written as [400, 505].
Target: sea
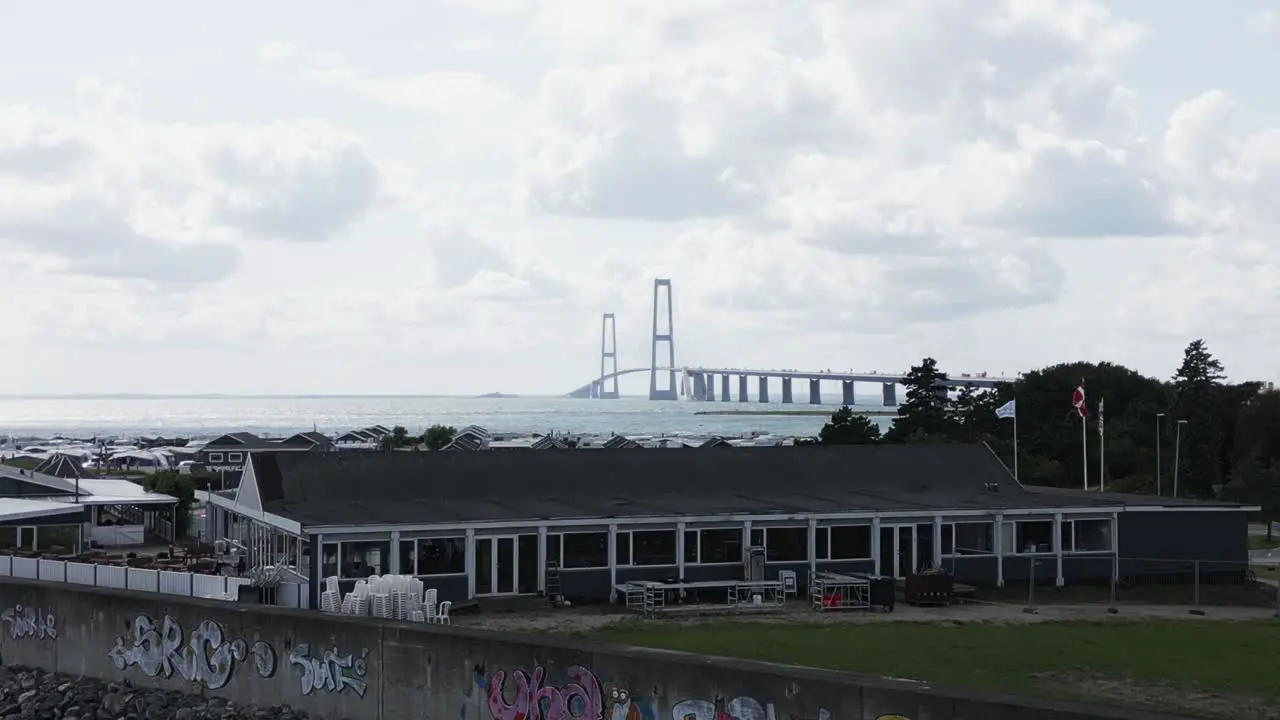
[208, 416]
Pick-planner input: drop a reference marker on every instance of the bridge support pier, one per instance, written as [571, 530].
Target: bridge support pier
[699, 387]
[786, 391]
[890, 394]
[764, 389]
[815, 392]
[846, 388]
[711, 388]
[724, 389]
[742, 388]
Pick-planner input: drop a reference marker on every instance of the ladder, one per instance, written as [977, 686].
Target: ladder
[553, 591]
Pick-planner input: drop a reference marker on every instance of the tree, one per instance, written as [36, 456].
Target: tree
[849, 428]
[1256, 453]
[437, 436]
[170, 482]
[1197, 396]
[926, 407]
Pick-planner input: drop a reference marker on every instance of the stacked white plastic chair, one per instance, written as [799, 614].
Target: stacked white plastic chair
[331, 599]
[429, 606]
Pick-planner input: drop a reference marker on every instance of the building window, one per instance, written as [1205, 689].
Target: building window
[64, 537]
[1083, 536]
[691, 547]
[433, 556]
[715, 545]
[215, 457]
[585, 550]
[1027, 537]
[553, 550]
[329, 560]
[649, 547]
[969, 538]
[849, 542]
[786, 544]
[235, 457]
[359, 560]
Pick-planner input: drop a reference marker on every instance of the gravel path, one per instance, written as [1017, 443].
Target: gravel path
[27, 694]
[587, 620]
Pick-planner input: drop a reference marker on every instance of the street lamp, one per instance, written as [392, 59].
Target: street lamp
[1177, 454]
[1159, 422]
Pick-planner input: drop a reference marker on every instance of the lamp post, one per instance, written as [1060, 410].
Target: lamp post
[1159, 422]
[1177, 454]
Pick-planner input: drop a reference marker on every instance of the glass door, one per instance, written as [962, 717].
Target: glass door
[484, 566]
[887, 551]
[527, 565]
[906, 551]
[27, 538]
[504, 565]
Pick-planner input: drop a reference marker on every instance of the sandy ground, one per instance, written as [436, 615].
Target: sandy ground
[585, 620]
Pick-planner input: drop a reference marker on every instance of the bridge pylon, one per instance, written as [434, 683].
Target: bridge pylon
[608, 383]
[664, 335]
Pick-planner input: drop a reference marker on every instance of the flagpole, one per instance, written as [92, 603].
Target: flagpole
[1102, 452]
[1084, 448]
[1015, 444]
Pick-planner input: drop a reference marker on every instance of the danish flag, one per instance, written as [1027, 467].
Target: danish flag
[1077, 401]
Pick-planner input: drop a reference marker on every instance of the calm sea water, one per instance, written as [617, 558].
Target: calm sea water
[207, 416]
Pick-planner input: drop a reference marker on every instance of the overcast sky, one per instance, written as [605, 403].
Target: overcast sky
[443, 196]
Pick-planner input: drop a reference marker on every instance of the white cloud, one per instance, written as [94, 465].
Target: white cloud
[1267, 21]
[453, 199]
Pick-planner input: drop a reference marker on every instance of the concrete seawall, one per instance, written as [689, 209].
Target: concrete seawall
[363, 669]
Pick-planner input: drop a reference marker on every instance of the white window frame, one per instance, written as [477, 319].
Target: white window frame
[414, 554]
[765, 538]
[1009, 536]
[1072, 550]
[560, 560]
[697, 546]
[631, 548]
[235, 457]
[214, 457]
[827, 530]
[950, 527]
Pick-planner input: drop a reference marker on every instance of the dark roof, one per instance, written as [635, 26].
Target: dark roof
[64, 466]
[1060, 495]
[440, 487]
[308, 438]
[234, 439]
[620, 441]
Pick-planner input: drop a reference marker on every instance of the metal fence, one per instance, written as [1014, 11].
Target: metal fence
[218, 587]
[1195, 586]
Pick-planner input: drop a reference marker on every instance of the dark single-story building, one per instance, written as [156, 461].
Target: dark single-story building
[41, 510]
[489, 523]
[227, 454]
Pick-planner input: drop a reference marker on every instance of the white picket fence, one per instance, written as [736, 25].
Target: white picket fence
[218, 587]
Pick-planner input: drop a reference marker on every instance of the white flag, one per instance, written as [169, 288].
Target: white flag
[1007, 410]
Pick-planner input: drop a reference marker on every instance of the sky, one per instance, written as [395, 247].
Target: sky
[443, 196]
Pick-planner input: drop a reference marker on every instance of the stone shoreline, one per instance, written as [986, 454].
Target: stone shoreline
[29, 694]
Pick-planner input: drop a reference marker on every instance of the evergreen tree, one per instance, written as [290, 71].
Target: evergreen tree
[1197, 392]
[848, 428]
[926, 412]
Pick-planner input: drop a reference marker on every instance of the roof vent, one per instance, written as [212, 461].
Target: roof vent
[993, 487]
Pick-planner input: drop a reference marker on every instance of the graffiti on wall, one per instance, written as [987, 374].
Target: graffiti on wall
[578, 699]
[331, 671]
[206, 655]
[24, 622]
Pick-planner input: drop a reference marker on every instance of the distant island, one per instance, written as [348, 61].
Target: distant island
[797, 411]
[496, 396]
